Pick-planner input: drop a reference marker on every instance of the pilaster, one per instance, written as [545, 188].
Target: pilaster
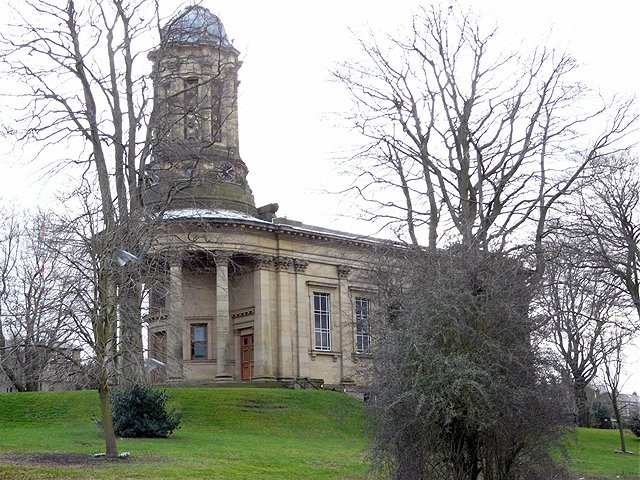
[302, 334]
[345, 326]
[263, 351]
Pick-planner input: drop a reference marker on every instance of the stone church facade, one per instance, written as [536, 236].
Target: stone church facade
[240, 294]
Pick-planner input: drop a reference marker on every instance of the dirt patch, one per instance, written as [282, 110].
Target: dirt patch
[54, 459]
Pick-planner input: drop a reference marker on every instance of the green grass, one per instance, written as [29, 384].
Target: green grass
[227, 433]
[592, 453]
[237, 433]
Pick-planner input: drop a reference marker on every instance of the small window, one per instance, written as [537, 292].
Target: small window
[216, 109]
[199, 341]
[191, 100]
[190, 94]
[363, 327]
[322, 319]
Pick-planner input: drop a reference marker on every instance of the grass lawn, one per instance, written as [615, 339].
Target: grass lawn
[231, 433]
[592, 454]
[226, 433]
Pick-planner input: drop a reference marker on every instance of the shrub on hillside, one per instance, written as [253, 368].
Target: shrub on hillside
[601, 415]
[634, 425]
[142, 412]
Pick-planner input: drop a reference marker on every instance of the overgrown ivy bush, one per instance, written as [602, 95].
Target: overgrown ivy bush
[634, 425]
[140, 411]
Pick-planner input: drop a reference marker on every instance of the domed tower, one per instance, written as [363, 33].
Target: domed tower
[196, 161]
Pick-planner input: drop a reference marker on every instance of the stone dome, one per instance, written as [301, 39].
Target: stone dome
[195, 24]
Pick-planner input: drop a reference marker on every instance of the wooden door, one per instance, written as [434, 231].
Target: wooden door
[246, 356]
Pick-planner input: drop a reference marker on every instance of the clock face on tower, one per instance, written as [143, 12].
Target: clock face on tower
[227, 173]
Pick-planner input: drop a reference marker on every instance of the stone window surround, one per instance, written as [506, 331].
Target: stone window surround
[363, 335]
[331, 289]
[322, 321]
[192, 324]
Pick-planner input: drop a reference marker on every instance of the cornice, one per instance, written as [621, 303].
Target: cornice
[282, 229]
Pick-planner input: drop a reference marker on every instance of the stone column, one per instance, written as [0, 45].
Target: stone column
[263, 351]
[224, 333]
[175, 321]
[345, 326]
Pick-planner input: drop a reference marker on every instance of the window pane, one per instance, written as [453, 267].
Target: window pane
[322, 321]
[199, 332]
[363, 328]
[200, 350]
[199, 340]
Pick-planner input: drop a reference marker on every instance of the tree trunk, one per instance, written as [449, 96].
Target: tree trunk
[616, 413]
[107, 419]
[31, 370]
[583, 416]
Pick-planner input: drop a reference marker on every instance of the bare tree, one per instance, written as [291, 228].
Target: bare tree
[84, 87]
[9, 241]
[580, 309]
[90, 48]
[84, 69]
[38, 333]
[593, 282]
[90, 299]
[472, 147]
[612, 368]
[466, 140]
[604, 222]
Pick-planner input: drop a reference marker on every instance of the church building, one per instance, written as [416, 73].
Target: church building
[240, 295]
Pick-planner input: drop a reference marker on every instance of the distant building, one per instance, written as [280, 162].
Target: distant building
[629, 404]
[62, 371]
[41, 368]
[240, 294]
[5, 384]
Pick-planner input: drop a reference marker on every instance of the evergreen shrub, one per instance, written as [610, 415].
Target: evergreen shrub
[141, 411]
[634, 425]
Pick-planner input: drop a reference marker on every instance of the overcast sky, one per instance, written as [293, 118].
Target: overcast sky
[288, 134]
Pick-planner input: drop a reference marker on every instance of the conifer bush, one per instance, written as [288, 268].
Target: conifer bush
[634, 425]
[141, 411]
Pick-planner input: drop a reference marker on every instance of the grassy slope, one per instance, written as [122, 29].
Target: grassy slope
[592, 453]
[232, 433]
[226, 433]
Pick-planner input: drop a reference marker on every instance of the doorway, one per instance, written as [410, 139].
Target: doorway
[246, 356]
